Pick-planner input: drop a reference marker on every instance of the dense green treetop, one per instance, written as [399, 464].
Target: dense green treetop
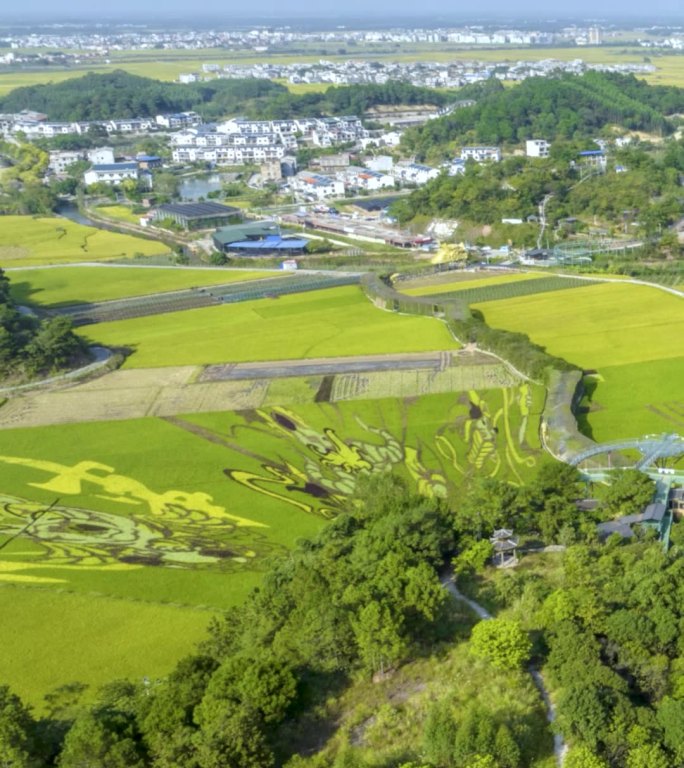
[502, 642]
[628, 494]
[28, 346]
[17, 730]
[119, 95]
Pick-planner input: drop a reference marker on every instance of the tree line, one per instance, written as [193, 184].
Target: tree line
[119, 94]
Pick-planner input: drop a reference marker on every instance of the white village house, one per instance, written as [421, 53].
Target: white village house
[481, 154]
[111, 173]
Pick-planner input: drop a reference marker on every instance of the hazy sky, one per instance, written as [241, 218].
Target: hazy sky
[390, 9]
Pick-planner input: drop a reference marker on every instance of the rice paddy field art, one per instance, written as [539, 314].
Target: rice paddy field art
[177, 518]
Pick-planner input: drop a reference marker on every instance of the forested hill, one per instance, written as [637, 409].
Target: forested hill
[121, 95]
[557, 107]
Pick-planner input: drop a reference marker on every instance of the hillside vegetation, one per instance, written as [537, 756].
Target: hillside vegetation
[119, 94]
[515, 187]
[552, 108]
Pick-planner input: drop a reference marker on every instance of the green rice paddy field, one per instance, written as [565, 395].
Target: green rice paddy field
[52, 638]
[119, 212]
[631, 336]
[73, 285]
[158, 524]
[28, 241]
[326, 323]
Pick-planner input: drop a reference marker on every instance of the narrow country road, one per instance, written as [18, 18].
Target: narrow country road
[560, 748]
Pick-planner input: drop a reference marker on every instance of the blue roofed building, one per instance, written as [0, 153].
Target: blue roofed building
[258, 238]
[594, 157]
[147, 162]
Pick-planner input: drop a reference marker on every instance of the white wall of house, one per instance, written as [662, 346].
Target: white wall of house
[537, 148]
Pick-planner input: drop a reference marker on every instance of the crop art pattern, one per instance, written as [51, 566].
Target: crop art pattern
[267, 470]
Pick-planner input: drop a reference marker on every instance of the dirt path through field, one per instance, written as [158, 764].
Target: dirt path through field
[560, 748]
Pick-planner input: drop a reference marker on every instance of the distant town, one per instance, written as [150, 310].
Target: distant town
[72, 45]
[432, 74]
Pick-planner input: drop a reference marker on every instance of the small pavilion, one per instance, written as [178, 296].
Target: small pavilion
[505, 546]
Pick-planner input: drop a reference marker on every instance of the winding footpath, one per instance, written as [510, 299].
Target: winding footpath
[560, 748]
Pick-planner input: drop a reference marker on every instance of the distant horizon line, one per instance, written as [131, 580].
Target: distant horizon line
[267, 19]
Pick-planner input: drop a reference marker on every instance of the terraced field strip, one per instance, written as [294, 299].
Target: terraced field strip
[323, 367]
[513, 290]
[67, 285]
[325, 323]
[373, 385]
[463, 282]
[284, 287]
[167, 392]
[197, 298]
[120, 212]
